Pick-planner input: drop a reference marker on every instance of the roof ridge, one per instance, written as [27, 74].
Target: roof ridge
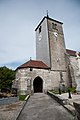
[34, 64]
[71, 50]
[29, 62]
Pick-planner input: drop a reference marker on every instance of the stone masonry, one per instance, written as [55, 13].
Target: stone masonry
[54, 67]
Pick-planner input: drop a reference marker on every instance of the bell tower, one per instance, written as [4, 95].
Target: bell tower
[50, 44]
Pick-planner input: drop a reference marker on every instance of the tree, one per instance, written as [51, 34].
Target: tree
[6, 77]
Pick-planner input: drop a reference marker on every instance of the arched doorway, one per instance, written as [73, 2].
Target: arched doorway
[38, 85]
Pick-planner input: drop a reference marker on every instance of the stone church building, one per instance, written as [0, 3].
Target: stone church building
[54, 67]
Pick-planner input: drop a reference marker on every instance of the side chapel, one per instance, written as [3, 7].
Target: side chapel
[55, 66]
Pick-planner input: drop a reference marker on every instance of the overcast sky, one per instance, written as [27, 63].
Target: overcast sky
[18, 20]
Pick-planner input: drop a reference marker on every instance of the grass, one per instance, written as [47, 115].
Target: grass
[55, 91]
[72, 90]
[22, 97]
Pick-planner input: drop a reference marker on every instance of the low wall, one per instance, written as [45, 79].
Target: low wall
[59, 99]
[77, 108]
[9, 100]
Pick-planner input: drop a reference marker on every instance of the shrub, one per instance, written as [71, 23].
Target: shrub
[72, 90]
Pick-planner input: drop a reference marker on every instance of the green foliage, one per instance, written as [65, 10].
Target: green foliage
[72, 90]
[55, 91]
[6, 77]
[22, 97]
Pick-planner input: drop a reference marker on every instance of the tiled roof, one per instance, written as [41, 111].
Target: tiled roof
[34, 64]
[40, 64]
[72, 52]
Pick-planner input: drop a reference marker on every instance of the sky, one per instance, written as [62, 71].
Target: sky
[18, 20]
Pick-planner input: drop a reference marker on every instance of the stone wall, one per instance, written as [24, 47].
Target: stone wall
[77, 108]
[57, 46]
[73, 63]
[51, 79]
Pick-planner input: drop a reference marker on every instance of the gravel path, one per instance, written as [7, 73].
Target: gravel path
[9, 112]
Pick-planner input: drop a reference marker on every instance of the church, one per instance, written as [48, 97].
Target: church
[55, 66]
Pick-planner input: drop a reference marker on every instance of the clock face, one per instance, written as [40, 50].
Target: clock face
[55, 34]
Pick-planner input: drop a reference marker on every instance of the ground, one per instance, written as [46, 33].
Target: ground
[41, 107]
[9, 112]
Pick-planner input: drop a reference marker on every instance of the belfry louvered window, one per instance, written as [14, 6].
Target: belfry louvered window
[39, 29]
[54, 26]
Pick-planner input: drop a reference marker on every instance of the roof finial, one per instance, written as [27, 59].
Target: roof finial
[47, 14]
[30, 58]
